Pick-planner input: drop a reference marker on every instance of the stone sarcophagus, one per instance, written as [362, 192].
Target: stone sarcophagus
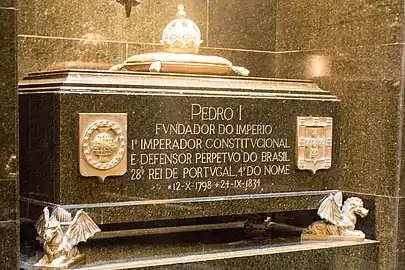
[133, 147]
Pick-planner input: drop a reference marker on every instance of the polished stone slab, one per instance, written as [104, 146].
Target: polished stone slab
[43, 54]
[282, 256]
[217, 250]
[9, 208]
[8, 98]
[9, 248]
[49, 120]
[301, 25]
[9, 200]
[90, 20]
[147, 210]
[243, 24]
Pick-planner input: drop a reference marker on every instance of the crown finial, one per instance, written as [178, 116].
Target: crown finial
[180, 11]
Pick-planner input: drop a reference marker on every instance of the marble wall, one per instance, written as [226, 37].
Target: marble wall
[9, 224]
[355, 49]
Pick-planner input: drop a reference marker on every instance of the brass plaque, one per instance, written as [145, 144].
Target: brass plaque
[102, 144]
[314, 143]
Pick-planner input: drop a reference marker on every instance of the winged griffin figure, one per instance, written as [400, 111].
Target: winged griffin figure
[338, 221]
[60, 234]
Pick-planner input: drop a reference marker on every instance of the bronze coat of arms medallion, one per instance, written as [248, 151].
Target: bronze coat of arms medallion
[102, 144]
[314, 143]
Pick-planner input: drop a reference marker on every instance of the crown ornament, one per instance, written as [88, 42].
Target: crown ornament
[181, 40]
[181, 35]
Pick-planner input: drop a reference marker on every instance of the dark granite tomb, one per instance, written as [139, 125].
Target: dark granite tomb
[197, 146]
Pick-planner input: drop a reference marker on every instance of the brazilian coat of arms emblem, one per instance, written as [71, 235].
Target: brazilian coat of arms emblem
[103, 143]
